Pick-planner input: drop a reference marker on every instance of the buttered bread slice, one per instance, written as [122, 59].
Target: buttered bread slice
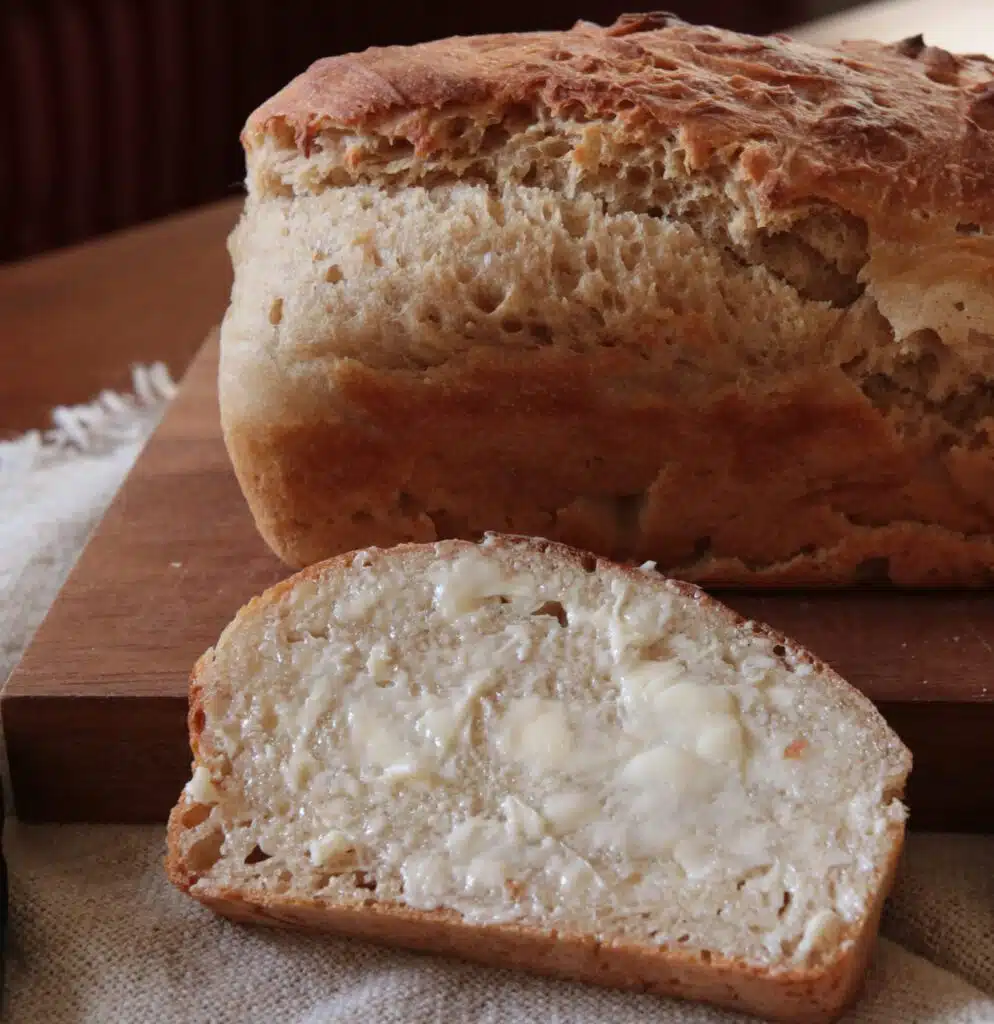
[517, 753]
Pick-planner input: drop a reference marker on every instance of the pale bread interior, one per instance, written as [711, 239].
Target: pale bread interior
[521, 734]
[564, 252]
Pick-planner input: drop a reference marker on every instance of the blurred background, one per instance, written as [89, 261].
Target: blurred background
[125, 111]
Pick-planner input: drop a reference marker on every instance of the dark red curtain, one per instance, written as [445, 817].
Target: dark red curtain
[120, 111]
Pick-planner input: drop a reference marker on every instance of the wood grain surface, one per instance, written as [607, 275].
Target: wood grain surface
[74, 322]
[95, 713]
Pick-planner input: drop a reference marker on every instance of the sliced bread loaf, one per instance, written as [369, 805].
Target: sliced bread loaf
[516, 753]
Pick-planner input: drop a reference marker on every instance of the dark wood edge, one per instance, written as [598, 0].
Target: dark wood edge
[135, 750]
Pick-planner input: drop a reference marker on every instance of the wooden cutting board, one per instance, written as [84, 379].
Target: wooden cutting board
[95, 713]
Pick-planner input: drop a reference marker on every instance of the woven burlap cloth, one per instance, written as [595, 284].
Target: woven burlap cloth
[98, 934]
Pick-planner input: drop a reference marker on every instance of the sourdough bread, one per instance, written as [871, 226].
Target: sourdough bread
[515, 753]
[630, 288]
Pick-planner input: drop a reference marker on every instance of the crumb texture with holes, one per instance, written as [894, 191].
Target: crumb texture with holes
[636, 288]
[518, 736]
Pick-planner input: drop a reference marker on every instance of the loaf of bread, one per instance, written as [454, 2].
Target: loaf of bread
[660, 291]
[518, 754]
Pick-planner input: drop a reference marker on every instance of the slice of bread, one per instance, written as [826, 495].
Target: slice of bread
[522, 755]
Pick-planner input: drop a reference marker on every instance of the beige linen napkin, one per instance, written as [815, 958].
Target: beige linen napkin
[99, 936]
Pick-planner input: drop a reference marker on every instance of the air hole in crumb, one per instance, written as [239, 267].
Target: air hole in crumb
[779, 650]
[785, 904]
[333, 274]
[296, 636]
[655, 211]
[364, 880]
[588, 563]
[556, 610]
[205, 852]
[384, 683]
[567, 277]
[683, 938]
[276, 311]
[960, 306]
[459, 126]
[630, 256]
[487, 299]
[541, 334]
[256, 855]
[557, 148]
[512, 325]
[194, 815]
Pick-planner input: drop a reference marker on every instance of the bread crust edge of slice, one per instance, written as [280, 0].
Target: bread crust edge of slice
[802, 995]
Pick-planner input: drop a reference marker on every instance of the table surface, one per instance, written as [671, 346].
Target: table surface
[964, 26]
[74, 321]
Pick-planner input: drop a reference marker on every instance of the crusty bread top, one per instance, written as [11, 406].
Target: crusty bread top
[896, 134]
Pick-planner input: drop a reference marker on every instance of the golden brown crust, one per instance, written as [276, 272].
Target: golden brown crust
[798, 997]
[860, 423]
[879, 130]
[809, 488]
[806, 995]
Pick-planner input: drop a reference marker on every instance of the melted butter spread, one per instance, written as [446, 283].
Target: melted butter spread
[200, 788]
[475, 750]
